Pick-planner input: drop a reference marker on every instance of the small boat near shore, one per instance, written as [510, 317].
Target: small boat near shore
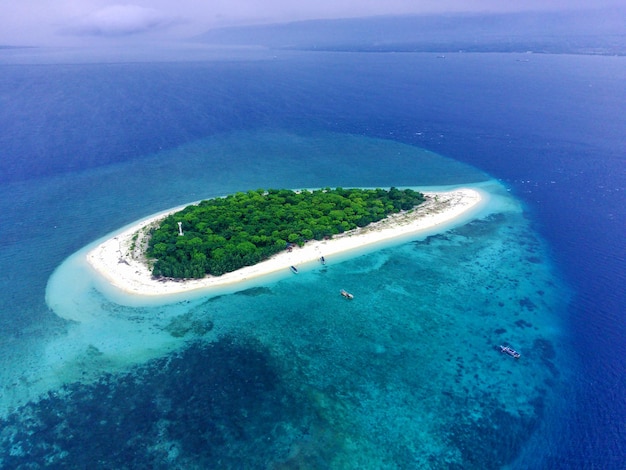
[510, 351]
[293, 269]
[323, 260]
[346, 294]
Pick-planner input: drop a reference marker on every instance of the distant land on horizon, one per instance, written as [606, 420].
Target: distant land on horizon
[598, 32]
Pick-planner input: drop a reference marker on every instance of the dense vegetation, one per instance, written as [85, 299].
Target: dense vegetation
[225, 234]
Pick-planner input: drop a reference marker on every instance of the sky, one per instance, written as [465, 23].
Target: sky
[85, 22]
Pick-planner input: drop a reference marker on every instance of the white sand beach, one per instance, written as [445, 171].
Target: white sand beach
[120, 259]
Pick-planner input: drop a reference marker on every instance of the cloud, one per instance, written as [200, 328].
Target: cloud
[63, 22]
[120, 20]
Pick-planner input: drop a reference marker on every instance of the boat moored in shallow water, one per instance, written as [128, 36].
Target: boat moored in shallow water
[293, 269]
[346, 294]
[510, 351]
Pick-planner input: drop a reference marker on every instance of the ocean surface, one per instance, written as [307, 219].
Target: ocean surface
[284, 373]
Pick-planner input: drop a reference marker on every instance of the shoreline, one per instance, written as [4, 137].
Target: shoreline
[119, 259]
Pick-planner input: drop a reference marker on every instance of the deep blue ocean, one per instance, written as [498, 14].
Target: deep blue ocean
[285, 374]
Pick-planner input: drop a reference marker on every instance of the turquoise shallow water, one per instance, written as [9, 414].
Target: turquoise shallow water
[407, 374]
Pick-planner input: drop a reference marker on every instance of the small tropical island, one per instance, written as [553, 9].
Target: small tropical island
[222, 235]
[249, 234]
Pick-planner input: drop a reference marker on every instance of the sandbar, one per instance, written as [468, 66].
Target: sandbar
[121, 262]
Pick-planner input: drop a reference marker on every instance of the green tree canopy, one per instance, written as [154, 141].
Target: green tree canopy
[226, 234]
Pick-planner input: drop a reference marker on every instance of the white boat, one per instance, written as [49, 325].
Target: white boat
[346, 294]
[510, 351]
